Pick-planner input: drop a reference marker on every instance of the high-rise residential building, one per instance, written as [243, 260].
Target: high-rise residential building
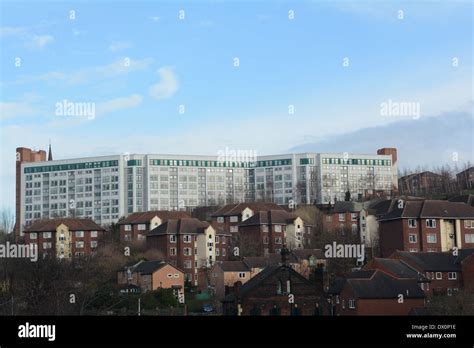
[109, 187]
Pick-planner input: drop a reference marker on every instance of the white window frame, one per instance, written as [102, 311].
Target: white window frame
[342, 217]
[33, 235]
[173, 251]
[411, 223]
[278, 228]
[351, 303]
[242, 275]
[173, 238]
[79, 244]
[469, 238]
[187, 238]
[187, 251]
[79, 234]
[431, 222]
[431, 235]
[410, 238]
[127, 228]
[141, 227]
[234, 219]
[451, 277]
[220, 219]
[440, 276]
[94, 234]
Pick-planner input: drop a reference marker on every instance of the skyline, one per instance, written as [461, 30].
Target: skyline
[285, 64]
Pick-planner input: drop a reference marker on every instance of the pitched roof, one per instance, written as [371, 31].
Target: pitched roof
[145, 217]
[463, 254]
[269, 217]
[148, 267]
[234, 266]
[430, 261]
[468, 199]
[400, 269]
[74, 224]
[430, 209]
[180, 226]
[381, 285]
[236, 209]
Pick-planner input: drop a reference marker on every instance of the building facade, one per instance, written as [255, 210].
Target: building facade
[109, 187]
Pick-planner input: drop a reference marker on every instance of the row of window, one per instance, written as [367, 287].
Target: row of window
[432, 238]
[431, 223]
[48, 235]
[439, 275]
[79, 245]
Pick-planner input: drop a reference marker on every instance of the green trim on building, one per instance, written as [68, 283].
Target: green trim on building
[304, 161]
[200, 163]
[356, 161]
[134, 162]
[71, 166]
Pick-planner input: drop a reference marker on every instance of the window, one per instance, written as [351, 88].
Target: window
[278, 240]
[469, 237]
[264, 228]
[353, 217]
[187, 238]
[217, 252]
[94, 234]
[128, 227]
[411, 223]
[169, 275]
[172, 238]
[223, 239]
[234, 228]
[141, 227]
[128, 237]
[176, 275]
[217, 239]
[277, 228]
[94, 244]
[187, 251]
[431, 237]
[47, 245]
[413, 250]
[187, 264]
[241, 275]
[469, 223]
[352, 304]
[234, 219]
[328, 218]
[450, 292]
[79, 245]
[431, 223]
[79, 234]
[412, 238]
[342, 217]
[439, 275]
[452, 276]
[220, 219]
[33, 235]
[173, 251]
[46, 235]
[223, 252]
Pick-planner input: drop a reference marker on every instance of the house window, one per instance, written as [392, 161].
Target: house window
[176, 275]
[46, 235]
[342, 217]
[412, 238]
[439, 275]
[141, 227]
[94, 234]
[431, 223]
[411, 223]
[469, 223]
[33, 235]
[220, 219]
[79, 234]
[172, 238]
[94, 244]
[169, 275]
[450, 292]
[127, 237]
[187, 264]
[234, 228]
[80, 245]
[413, 250]
[431, 237]
[217, 239]
[128, 227]
[223, 239]
[452, 275]
[187, 238]
[223, 252]
[47, 245]
[264, 228]
[173, 251]
[278, 240]
[234, 219]
[352, 304]
[469, 237]
[353, 217]
[288, 286]
[217, 252]
[187, 251]
[337, 299]
[241, 275]
[277, 228]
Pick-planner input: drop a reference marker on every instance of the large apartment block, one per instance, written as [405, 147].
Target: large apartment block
[106, 188]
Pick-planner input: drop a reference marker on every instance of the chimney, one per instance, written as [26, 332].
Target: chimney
[284, 255]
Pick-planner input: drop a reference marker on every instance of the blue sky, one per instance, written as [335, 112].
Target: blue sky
[190, 62]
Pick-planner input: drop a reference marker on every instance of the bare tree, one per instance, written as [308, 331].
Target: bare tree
[7, 222]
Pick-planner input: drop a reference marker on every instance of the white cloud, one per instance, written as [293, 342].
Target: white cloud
[120, 46]
[167, 86]
[39, 41]
[14, 110]
[119, 103]
[31, 41]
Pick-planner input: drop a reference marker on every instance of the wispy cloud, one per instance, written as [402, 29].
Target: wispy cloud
[31, 40]
[120, 46]
[167, 86]
[118, 104]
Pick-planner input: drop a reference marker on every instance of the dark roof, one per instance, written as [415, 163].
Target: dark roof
[260, 277]
[381, 285]
[148, 267]
[338, 284]
[463, 254]
[430, 209]
[400, 269]
[236, 209]
[425, 173]
[468, 199]
[305, 254]
[234, 266]
[269, 217]
[181, 226]
[260, 261]
[145, 217]
[74, 224]
[430, 261]
[381, 207]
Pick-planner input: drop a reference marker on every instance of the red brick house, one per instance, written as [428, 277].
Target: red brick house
[137, 225]
[447, 272]
[266, 232]
[189, 244]
[65, 237]
[427, 226]
[375, 292]
[277, 290]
